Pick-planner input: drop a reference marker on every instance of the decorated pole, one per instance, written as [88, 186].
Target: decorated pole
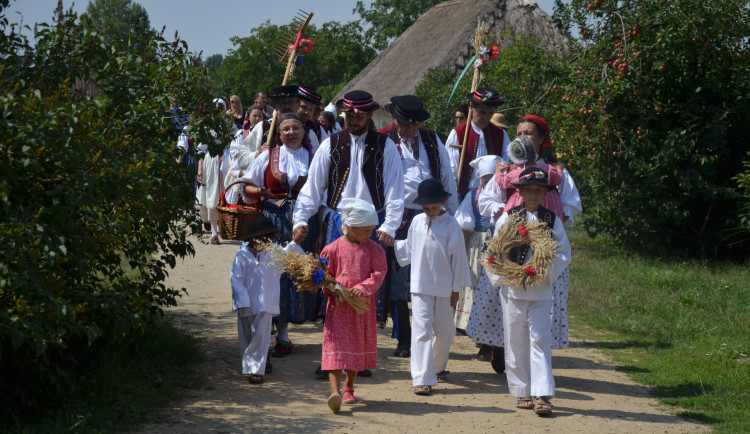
[477, 60]
[300, 21]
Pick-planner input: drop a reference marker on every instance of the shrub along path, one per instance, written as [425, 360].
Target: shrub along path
[592, 395]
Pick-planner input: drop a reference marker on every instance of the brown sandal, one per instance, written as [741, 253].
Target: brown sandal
[542, 406]
[525, 403]
[254, 379]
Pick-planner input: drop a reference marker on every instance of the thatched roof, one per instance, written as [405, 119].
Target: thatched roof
[442, 38]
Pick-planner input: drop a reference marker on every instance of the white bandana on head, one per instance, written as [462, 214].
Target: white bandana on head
[357, 213]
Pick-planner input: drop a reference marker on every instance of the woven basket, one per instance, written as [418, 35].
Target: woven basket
[233, 220]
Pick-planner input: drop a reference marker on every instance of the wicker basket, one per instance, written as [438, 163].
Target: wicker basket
[233, 220]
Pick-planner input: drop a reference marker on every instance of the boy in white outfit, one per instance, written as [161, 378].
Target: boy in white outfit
[255, 296]
[439, 270]
[526, 318]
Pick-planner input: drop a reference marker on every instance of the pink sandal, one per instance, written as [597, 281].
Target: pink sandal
[349, 399]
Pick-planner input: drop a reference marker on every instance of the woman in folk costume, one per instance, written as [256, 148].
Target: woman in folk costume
[275, 178]
[492, 203]
[211, 180]
[477, 229]
[350, 340]
[255, 115]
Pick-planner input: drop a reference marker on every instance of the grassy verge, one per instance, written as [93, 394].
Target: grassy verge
[122, 386]
[682, 328]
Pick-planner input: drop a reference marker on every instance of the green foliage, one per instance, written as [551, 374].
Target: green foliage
[117, 18]
[678, 326]
[743, 183]
[93, 208]
[252, 65]
[388, 19]
[653, 118]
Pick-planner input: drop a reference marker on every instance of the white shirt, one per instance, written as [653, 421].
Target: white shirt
[437, 254]
[255, 280]
[250, 145]
[313, 193]
[455, 153]
[416, 171]
[542, 291]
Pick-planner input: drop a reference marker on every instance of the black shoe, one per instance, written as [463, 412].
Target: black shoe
[485, 353]
[269, 367]
[366, 373]
[498, 359]
[402, 352]
[321, 373]
[207, 227]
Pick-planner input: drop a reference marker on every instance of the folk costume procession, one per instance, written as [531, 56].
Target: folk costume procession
[351, 225]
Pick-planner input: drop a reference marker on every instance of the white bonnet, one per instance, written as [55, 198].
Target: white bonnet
[485, 165]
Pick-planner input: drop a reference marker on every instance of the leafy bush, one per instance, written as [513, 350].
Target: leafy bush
[654, 118]
[93, 207]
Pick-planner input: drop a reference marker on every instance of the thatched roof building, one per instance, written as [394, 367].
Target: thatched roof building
[442, 38]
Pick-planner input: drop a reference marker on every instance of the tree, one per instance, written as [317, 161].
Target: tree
[117, 18]
[654, 118]
[93, 207]
[390, 18]
[252, 65]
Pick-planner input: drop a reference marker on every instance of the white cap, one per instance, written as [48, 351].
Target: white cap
[357, 213]
[220, 101]
[485, 165]
[331, 108]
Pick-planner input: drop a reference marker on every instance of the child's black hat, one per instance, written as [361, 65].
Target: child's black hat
[431, 191]
[260, 225]
[533, 176]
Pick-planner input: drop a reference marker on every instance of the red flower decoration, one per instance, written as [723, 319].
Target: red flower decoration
[530, 271]
[306, 45]
[522, 231]
[491, 259]
[494, 52]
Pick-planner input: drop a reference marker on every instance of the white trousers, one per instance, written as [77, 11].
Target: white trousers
[432, 332]
[254, 335]
[528, 346]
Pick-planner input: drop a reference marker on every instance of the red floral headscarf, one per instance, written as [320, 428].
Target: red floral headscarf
[547, 151]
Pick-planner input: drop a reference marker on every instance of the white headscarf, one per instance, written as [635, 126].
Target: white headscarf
[357, 213]
[485, 165]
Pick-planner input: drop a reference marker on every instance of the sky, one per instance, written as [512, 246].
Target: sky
[208, 25]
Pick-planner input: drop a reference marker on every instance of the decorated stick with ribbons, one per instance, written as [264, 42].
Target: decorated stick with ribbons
[295, 32]
[481, 55]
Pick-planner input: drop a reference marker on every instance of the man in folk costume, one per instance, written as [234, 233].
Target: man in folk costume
[355, 162]
[286, 100]
[485, 138]
[423, 156]
[309, 102]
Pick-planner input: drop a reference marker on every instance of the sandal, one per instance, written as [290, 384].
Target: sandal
[442, 377]
[254, 379]
[542, 406]
[334, 402]
[525, 403]
[423, 390]
[349, 399]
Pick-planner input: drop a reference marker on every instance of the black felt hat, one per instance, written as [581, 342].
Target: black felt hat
[486, 96]
[408, 109]
[309, 94]
[431, 191]
[260, 225]
[533, 176]
[357, 101]
[284, 91]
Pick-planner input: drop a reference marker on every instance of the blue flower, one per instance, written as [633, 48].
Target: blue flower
[317, 277]
[323, 261]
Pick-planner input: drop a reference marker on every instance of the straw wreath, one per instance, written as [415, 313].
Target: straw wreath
[517, 232]
[310, 273]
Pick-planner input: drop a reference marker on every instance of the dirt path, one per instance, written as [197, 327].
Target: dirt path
[591, 395]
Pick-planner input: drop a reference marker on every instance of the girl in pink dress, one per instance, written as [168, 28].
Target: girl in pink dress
[358, 263]
[523, 154]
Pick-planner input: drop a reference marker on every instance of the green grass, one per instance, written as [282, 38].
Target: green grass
[681, 327]
[120, 387]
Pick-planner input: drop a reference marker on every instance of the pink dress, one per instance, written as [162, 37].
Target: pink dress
[551, 201]
[350, 340]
